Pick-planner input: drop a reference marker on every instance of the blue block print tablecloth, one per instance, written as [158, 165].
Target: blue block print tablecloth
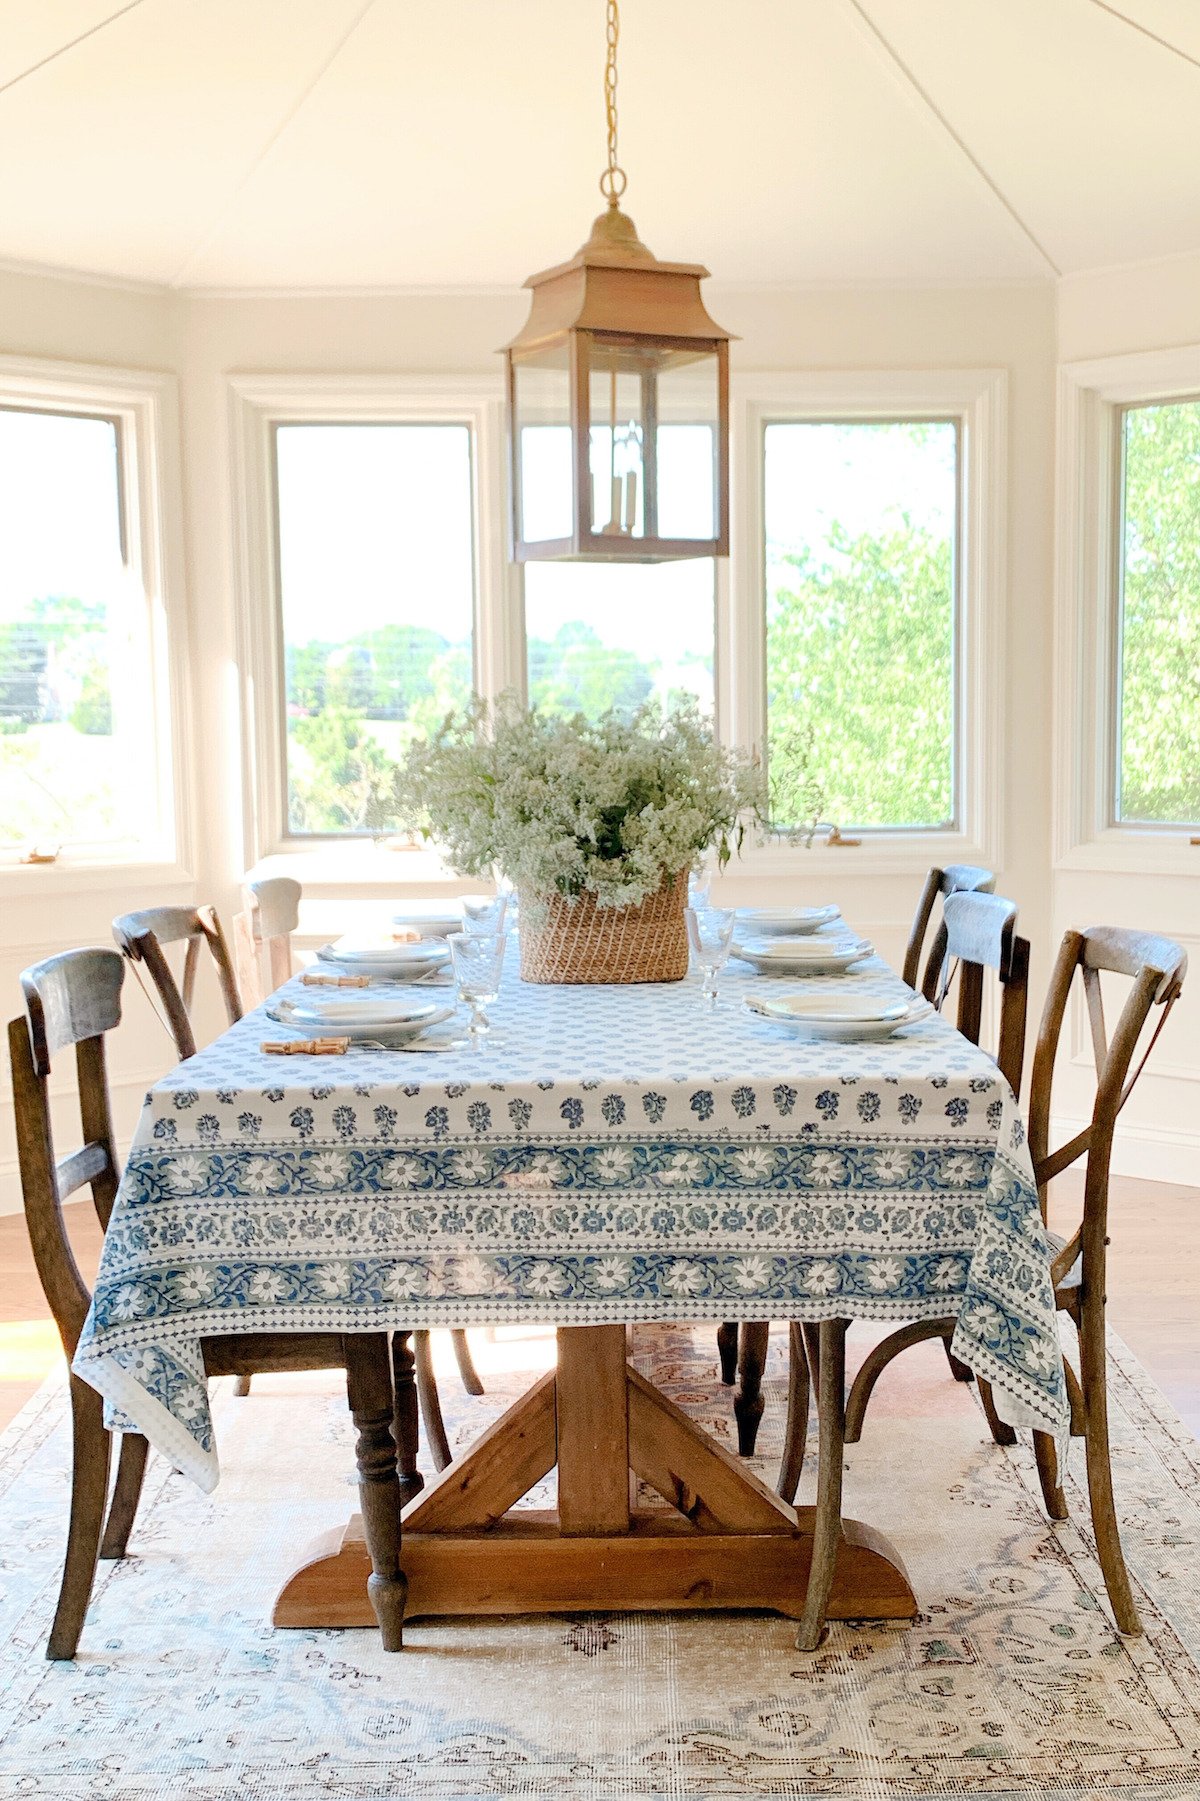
[624, 1155]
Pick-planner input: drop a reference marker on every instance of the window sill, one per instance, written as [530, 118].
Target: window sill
[91, 874]
[878, 854]
[1127, 850]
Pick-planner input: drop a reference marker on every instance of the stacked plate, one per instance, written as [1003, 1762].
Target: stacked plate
[432, 918]
[792, 956]
[785, 921]
[843, 1017]
[358, 1013]
[379, 957]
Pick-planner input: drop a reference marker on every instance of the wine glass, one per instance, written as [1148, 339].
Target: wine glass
[484, 914]
[701, 879]
[478, 960]
[710, 934]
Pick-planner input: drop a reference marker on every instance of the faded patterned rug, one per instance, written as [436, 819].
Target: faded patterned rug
[1012, 1683]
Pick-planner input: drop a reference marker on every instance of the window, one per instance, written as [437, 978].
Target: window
[604, 635]
[600, 635]
[868, 620]
[861, 522]
[376, 591]
[1157, 741]
[80, 762]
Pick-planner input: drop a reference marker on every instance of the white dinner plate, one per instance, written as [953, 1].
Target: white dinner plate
[433, 919]
[367, 957]
[786, 921]
[388, 1025]
[801, 956]
[844, 1018]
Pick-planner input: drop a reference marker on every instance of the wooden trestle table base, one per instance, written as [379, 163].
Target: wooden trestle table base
[730, 1543]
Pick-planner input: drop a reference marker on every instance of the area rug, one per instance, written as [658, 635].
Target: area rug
[1012, 1683]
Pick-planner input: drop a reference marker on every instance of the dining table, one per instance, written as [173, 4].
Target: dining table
[612, 1155]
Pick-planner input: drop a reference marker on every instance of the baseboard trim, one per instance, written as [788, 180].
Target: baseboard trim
[1155, 1153]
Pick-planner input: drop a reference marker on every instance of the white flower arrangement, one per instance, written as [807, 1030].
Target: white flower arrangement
[615, 806]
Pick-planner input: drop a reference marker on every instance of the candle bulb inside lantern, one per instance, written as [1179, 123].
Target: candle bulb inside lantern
[630, 499]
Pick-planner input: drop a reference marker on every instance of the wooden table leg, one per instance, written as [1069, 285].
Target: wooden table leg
[724, 1540]
[592, 1429]
[369, 1389]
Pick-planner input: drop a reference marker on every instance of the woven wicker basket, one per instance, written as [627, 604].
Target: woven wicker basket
[582, 942]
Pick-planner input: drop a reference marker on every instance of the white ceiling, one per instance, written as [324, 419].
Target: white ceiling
[385, 143]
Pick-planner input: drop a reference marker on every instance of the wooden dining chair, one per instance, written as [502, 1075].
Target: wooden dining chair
[981, 937]
[72, 1002]
[979, 931]
[1155, 967]
[742, 1346]
[262, 936]
[957, 878]
[142, 936]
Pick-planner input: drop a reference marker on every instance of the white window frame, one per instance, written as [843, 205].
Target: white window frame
[1091, 397]
[144, 405]
[975, 399]
[258, 403]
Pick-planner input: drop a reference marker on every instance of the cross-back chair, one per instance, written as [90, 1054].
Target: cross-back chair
[72, 1002]
[957, 878]
[981, 938]
[262, 936]
[1156, 967]
[977, 934]
[141, 937]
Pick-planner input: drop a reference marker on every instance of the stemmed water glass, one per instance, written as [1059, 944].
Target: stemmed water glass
[484, 915]
[701, 879]
[478, 961]
[710, 935]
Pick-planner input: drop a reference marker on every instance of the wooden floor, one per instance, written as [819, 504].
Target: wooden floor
[1153, 1297]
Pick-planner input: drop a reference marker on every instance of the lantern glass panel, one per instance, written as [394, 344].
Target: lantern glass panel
[543, 463]
[687, 437]
[616, 389]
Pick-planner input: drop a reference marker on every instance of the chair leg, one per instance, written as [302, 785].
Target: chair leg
[962, 1372]
[877, 1360]
[827, 1531]
[369, 1390]
[431, 1406]
[727, 1351]
[91, 1448]
[404, 1418]
[127, 1490]
[748, 1402]
[241, 1385]
[1047, 1469]
[795, 1432]
[1094, 1375]
[466, 1363]
[1002, 1432]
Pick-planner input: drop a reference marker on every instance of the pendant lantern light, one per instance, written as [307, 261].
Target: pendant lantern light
[618, 398]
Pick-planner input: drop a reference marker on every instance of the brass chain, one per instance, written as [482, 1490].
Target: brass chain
[613, 180]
